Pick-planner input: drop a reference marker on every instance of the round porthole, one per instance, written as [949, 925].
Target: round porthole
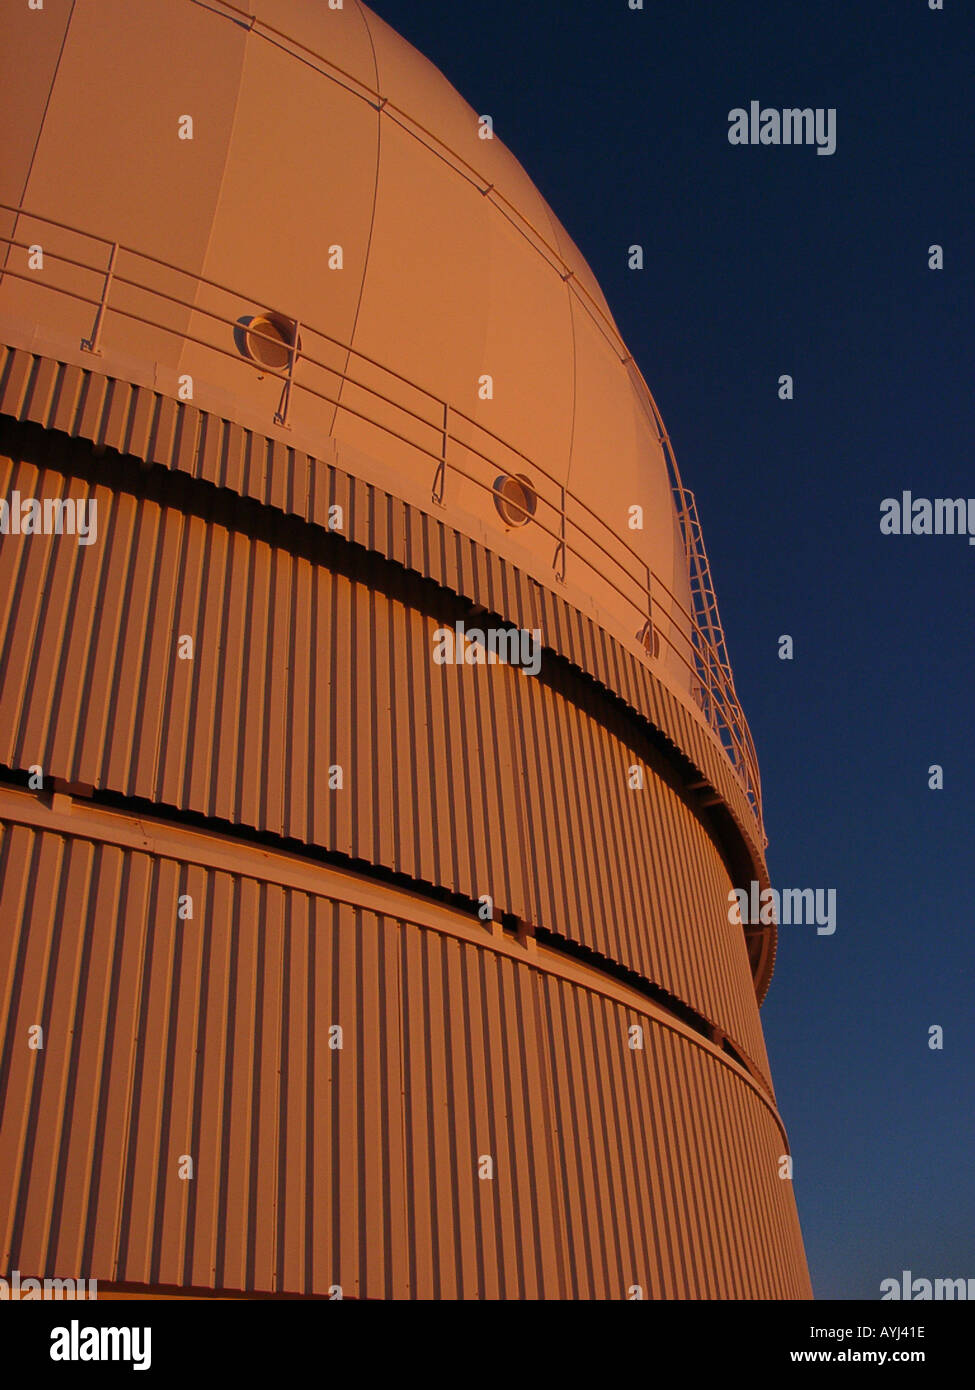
[514, 498]
[266, 339]
[649, 637]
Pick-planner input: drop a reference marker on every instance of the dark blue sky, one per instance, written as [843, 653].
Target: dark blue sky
[761, 261]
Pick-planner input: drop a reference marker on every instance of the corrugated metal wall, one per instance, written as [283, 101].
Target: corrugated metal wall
[356, 1167]
[475, 779]
[146, 424]
[210, 1037]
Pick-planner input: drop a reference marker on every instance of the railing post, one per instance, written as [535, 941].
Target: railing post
[92, 344]
[558, 559]
[440, 477]
[647, 635]
[281, 418]
[712, 686]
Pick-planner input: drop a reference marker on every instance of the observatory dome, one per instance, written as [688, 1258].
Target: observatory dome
[259, 170]
[357, 970]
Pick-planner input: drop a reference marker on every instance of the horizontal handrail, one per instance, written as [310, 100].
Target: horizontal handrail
[705, 657]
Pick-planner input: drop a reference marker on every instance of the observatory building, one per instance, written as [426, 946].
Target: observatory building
[372, 777]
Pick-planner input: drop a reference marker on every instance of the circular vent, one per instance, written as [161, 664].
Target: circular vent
[266, 339]
[514, 498]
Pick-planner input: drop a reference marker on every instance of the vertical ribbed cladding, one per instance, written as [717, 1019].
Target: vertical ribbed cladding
[315, 1166]
[154, 428]
[478, 780]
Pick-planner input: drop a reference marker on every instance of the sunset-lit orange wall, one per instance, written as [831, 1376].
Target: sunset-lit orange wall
[243, 882]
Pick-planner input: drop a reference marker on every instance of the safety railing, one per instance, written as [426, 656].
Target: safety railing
[455, 444]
